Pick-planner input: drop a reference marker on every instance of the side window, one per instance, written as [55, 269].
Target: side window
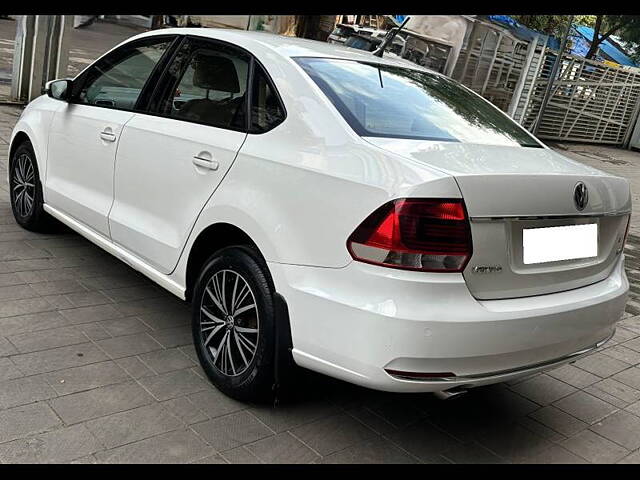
[266, 109]
[116, 81]
[209, 86]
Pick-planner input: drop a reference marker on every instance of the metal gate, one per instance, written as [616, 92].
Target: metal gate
[590, 101]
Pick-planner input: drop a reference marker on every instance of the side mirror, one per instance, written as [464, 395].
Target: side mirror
[58, 89]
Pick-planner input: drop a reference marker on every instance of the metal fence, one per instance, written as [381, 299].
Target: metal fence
[590, 101]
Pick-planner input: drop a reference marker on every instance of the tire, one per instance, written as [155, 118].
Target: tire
[242, 366]
[26, 190]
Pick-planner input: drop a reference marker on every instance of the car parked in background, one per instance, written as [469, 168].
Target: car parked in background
[362, 217]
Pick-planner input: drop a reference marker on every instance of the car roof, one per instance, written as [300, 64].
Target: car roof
[288, 47]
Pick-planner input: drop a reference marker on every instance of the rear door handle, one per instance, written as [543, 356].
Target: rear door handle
[107, 136]
[205, 163]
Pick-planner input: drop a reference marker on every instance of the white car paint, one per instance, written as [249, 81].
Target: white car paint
[299, 190]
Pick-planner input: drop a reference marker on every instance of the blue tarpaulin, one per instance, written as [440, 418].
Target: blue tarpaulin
[607, 47]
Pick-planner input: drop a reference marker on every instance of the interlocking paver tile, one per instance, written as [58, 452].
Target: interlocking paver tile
[31, 323]
[24, 390]
[174, 384]
[556, 455]
[594, 448]
[8, 370]
[101, 401]
[282, 448]
[601, 365]
[58, 446]
[630, 377]
[47, 339]
[185, 410]
[87, 377]
[623, 353]
[134, 367]
[632, 458]
[513, 442]
[58, 358]
[180, 446]
[288, 416]
[26, 420]
[89, 314]
[163, 361]
[124, 326]
[543, 389]
[558, 420]
[233, 430]
[621, 427]
[585, 407]
[422, 440]
[126, 427]
[128, 345]
[470, 453]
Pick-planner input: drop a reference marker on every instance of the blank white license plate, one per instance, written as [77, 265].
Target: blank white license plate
[553, 244]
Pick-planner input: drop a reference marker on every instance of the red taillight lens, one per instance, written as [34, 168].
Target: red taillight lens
[431, 235]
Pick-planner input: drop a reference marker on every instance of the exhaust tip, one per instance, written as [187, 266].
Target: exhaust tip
[450, 394]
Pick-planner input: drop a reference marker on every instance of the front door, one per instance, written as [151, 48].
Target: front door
[84, 134]
[171, 160]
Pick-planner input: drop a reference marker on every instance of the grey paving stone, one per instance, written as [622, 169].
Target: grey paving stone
[472, 453]
[211, 460]
[23, 307]
[630, 377]
[128, 345]
[6, 348]
[137, 292]
[7, 279]
[614, 390]
[594, 448]
[601, 365]
[240, 456]
[87, 377]
[58, 446]
[631, 459]
[94, 313]
[331, 434]
[127, 427]
[372, 420]
[174, 384]
[513, 442]
[8, 370]
[185, 410]
[134, 367]
[87, 299]
[216, 404]
[26, 420]
[163, 361]
[574, 376]
[556, 455]
[17, 292]
[58, 358]
[286, 417]
[31, 323]
[543, 389]
[634, 408]
[621, 427]
[47, 339]
[99, 402]
[624, 354]
[24, 390]
[180, 446]
[558, 420]
[94, 331]
[125, 326]
[282, 448]
[57, 287]
[233, 430]
[585, 407]
[173, 337]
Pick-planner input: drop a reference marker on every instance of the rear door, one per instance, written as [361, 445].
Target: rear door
[172, 158]
[85, 132]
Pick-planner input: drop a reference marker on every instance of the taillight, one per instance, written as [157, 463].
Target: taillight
[431, 235]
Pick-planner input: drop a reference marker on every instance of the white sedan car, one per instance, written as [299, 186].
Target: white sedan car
[358, 216]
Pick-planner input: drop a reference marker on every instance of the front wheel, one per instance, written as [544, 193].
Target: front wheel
[233, 323]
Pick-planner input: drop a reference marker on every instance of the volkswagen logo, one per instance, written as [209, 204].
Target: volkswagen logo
[580, 195]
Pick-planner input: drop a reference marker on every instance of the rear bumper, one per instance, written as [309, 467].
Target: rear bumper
[356, 322]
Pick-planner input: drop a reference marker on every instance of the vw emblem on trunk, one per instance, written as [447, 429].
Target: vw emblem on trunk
[580, 195]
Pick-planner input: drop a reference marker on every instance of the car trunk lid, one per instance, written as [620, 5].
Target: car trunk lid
[508, 190]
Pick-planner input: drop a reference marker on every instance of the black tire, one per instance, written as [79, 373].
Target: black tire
[26, 190]
[227, 364]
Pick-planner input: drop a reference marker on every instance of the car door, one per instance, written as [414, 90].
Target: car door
[84, 133]
[171, 159]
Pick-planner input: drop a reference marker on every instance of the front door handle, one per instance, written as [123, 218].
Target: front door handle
[205, 163]
[108, 136]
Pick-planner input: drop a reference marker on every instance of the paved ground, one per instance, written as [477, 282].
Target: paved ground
[96, 365]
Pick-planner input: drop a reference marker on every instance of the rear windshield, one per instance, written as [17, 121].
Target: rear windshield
[396, 102]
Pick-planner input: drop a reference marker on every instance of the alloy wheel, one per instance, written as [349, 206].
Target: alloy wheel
[229, 322]
[23, 187]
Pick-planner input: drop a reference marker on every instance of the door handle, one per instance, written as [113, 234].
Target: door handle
[205, 163]
[107, 136]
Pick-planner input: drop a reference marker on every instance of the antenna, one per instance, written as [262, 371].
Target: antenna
[389, 38]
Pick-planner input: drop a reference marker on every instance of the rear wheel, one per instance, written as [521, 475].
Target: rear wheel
[26, 190]
[233, 323]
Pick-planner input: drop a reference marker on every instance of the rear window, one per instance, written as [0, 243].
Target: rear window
[397, 102]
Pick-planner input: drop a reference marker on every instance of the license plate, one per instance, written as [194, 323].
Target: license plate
[553, 244]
